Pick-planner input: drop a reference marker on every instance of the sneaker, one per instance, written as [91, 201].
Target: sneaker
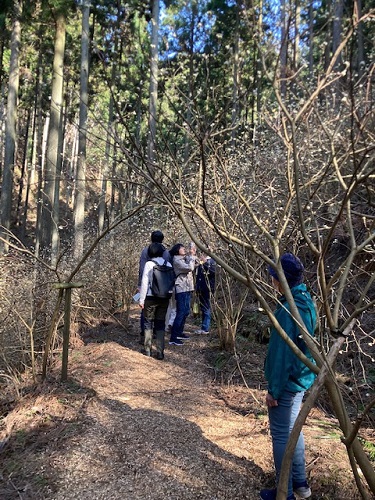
[302, 489]
[183, 336]
[271, 495]
[176, 342]
[202, 332]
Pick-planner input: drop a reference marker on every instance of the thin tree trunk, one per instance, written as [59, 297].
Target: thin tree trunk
[24, 170]
[153, 82]
[189, 114]
[41, 155]
[105, 169]
[297, 21]
[311, 38]
[73, 166]
[259, 66]
[328, 38]
[235, 107]
[56, 201]
[53, 141]
[79, 212]
[36, 141]
[338, 9]
[360, 43]
[112, 209]
[283, 49]
[30, 170]
[10, 127]
[2, 46]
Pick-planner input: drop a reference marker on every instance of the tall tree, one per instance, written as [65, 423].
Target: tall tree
[79, 209]
[192, 6]
[296, 41]
[154, 73]
[235, 88]
[360, 38]
[284, 47]
[4, 34]
[109, 141]
[337, 12]
[11, 126]
[54, 131]
[311, 36]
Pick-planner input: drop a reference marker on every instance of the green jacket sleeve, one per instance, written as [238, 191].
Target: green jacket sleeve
[280, 358]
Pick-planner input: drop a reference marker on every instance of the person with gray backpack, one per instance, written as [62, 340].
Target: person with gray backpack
[156, 237]
[155, 291]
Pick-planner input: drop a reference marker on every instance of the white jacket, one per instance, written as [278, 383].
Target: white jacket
[147, 278]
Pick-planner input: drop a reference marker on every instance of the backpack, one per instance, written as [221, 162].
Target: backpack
[163, 278]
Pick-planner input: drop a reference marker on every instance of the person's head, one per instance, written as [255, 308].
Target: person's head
[157, 236]
[155, 250]
[177, 249]
[293, 270]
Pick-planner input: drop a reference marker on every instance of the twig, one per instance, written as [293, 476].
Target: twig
[15, 487]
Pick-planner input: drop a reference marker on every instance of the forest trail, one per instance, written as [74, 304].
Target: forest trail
[130, 427]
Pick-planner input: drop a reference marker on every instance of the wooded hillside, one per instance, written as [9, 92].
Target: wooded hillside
[246, 127]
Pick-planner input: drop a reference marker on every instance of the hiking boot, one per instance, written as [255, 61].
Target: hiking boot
[176, 342]
[302, 490]
[146, 352]
[159, 356]
[271, 495]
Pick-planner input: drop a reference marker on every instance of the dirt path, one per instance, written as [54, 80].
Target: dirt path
[131, 427]
[157, 431]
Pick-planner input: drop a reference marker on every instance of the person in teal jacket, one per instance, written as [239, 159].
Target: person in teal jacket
[288, 378]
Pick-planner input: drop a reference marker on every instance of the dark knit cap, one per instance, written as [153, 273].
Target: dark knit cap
[292, 267]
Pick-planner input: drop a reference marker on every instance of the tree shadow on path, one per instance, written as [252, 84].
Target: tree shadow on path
[142, 453]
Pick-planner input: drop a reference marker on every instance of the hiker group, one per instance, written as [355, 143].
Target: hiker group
[166, 283]
[167, 280]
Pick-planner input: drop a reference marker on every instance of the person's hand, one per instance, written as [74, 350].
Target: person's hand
[141, 306]
[270, 401]
[192, 249]
[203, 258]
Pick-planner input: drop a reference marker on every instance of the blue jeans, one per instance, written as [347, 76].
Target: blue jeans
[282, 418]
[183, 300]
[205, 306]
